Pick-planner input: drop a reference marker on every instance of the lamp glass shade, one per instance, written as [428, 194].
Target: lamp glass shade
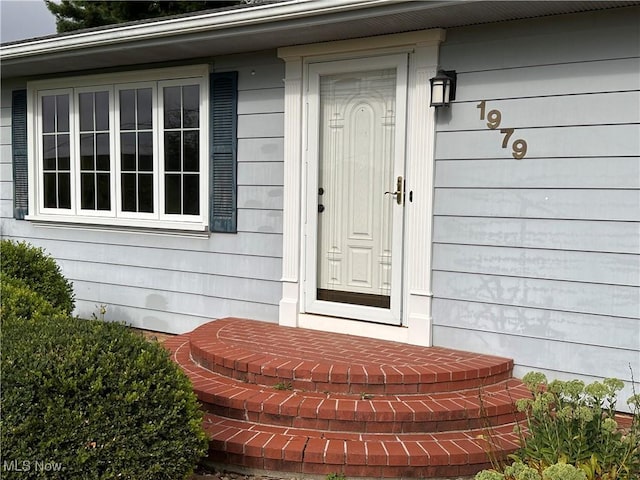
[440, 90]
[437, 92]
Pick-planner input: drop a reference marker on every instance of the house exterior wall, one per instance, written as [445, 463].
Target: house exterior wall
[174, 282]
[538, 259]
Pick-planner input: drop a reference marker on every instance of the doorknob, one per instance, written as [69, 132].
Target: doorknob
[399, 191]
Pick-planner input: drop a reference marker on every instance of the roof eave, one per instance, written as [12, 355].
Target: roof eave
[172, 27]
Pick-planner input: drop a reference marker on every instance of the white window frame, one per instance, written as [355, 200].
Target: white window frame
[76, 145]
[38, 129]
[155, 115]
[204, 124]
[114, 82]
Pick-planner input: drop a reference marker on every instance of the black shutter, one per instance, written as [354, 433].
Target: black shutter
[223, 147]
[19, 153]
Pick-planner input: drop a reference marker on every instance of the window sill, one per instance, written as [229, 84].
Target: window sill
[122, 225]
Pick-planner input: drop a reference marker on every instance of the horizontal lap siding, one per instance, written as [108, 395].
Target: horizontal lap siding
[174, 283]
[539, 258]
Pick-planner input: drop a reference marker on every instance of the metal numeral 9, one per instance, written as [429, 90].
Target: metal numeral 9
[519, 149]
[494, 118]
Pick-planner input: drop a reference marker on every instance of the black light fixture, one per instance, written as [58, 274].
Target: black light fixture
[443, 88]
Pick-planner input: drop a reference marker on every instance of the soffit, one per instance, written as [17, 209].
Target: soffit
[377, 18]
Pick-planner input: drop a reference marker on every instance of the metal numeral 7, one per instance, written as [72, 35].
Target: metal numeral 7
[507, 135]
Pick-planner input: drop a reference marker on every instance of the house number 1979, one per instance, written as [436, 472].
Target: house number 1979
[494, 118]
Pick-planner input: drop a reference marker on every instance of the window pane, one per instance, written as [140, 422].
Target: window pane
[129, 192]
[86, 152]
[191, 194]
[64, 190]
[48, 114]
[145, 152]
[62, 113]
[128, 151]
[191, 155]
[104, 191]
[172, 199]
[172, 151]
[191, 107]
[102, 152]
[50, 191]
[63, 152]
[87, 191]
[86, 112]
[49, 152]
[102, 110]
[144, 109]
[127, 110]
[172, 112]
[145, 193]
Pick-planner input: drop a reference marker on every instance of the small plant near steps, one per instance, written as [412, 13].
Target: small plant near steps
[335, 476]
[572, 434]
[283, 386]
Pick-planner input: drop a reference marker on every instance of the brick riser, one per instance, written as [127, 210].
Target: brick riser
[284, 449]
[435, 425]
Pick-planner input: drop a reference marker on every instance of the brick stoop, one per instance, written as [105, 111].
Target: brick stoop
[303, 401]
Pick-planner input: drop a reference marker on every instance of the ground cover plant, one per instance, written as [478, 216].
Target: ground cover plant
[572, 434]
[89, 399]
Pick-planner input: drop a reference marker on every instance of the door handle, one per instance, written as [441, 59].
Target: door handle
[399, 193]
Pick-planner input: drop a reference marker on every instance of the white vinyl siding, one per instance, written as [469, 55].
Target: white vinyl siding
[538, 259]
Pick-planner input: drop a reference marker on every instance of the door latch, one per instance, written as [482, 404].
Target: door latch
[399, 193]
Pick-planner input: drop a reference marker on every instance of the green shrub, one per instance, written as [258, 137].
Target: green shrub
[39, 271]
[18, 301]
[93, 400]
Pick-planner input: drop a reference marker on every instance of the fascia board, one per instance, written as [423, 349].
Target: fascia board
[250, 17]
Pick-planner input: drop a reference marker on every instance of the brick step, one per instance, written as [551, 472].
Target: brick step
[284, 449]
[264, 354]
[294, 400]
[470, 409]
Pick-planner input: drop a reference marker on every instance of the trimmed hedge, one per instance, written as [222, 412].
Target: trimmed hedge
[38, 271]
[18, 301]
[96, 399]
[87, 398]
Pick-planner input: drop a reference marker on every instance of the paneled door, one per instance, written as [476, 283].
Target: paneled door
[356, 188]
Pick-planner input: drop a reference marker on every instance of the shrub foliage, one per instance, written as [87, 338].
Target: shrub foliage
[571, 434]
[38, 271]
[97, 399]
[18, 301]
[85, 398]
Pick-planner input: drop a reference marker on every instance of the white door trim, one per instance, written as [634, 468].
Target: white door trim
[423, 48]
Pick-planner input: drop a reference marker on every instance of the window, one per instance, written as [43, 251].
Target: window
[130, 149]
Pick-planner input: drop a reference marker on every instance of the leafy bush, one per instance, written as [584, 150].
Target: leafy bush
[572, 434]
[95, 401]
[38, 271]
[18, 301]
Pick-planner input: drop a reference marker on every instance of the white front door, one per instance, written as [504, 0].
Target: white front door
[355, 185]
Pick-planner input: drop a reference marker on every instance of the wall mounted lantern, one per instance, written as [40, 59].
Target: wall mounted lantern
[443, 88]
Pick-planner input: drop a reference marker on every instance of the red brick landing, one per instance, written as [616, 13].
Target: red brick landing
[303, 401]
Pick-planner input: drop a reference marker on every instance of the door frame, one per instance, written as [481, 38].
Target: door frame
[422, 49]
[312, 160]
